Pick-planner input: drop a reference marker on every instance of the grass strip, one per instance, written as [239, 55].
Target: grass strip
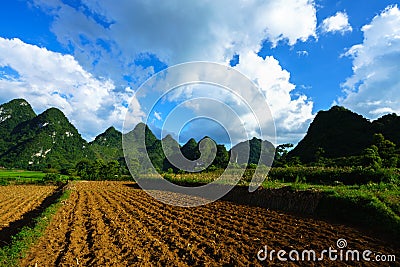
[361, 208]
[21, 242]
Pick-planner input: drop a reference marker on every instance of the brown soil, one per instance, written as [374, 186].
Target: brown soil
[116, 224]
[17, 200]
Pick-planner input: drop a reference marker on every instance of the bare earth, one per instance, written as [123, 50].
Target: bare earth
[17, 200]
[116, 224]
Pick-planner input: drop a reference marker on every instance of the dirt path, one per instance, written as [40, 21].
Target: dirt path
[114, 224]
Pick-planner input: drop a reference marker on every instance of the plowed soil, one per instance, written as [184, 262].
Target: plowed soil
[17, 200]
[116, 224]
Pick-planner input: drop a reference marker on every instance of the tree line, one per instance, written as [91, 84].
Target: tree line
[383, 153]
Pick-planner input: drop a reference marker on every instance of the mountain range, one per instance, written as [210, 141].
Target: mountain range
[49, 140]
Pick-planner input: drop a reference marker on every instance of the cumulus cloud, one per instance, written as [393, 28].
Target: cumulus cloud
[176, 31]
[337, 23]
[112, 40]
[48, 79]
[373, 89]
[292, 114]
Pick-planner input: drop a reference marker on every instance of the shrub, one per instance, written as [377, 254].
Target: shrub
[51, 178]
[347, 175]
[167, 176]
[50, 170]
[4, 181]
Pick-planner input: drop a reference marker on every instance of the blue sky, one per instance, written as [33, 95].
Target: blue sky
[88, 58]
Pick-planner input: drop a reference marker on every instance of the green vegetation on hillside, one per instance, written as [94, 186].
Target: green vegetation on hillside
[11, 114]
[45, 141]
[339, 137]
[99, 170]
[250, 152]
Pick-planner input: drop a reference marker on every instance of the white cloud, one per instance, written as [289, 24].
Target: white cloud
[176, 31]
[157, 115]
[373, 89]
[47, 79]
[337, 23]
[303, 53]
[108, 38]
[292, 115]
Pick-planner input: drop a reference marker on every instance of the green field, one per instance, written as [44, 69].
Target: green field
[29, 177]
[21, 174]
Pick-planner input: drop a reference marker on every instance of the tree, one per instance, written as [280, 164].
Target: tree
[281, 152]
[386, 150]
[98, 170]
[221, 158]
[84, 168]
[112, 170]
[371, 158]
[134, 167]
[190, 150]
[319, 157]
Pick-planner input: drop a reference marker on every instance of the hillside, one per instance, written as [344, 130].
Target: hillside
[141, 140]
[108, 145]
[389, 126]
[171, 149]
[191, 150]
[141, 145]
[340, 132]
[48, 140]
[11, 114]
[249, 152]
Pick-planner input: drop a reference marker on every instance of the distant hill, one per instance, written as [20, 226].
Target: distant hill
[249, 152]
[171, 149]
[340, 132]
[108, 145]
[191, 150]
[170, 145]
[48, 140]
[11, 114]
[389, 126]
[141, 145]
[141, 140]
